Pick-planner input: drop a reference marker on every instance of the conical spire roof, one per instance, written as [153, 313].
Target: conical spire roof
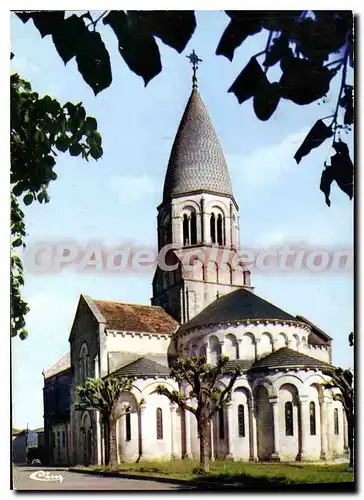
[197, 162]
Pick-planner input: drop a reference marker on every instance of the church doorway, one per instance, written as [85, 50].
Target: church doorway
[86, 438]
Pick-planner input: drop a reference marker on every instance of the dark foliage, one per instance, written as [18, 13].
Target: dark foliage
[303, 43]
[39, 127]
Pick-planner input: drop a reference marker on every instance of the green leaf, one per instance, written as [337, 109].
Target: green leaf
[266, 100]
[62, 143]
[237, 31]
[17, 242]
[174, 27]
[136, 46]
[304, 90]
[93, 62]
[49, 22]
[75, 149]
[90, 125]
[316, 136]
[249, 81]
[28, 199]
[69, 36]
[96, 152]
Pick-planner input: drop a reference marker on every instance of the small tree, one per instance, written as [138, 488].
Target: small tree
[204, 395]
[103, 395]
[343, 380]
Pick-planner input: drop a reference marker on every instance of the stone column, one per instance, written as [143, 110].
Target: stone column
[253, 452]
[323, 427]
[256, 348]
[275, 454]
[141, 413]
[203, 222]
[304, 426]
[188, 453]
[232, 242]
[239, 353]
[230, 436]
[173, 408]
[222, 347]
[206, 344]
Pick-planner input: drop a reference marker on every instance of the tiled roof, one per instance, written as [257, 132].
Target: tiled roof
[234, 306]
[136, 318]
[243, 364]
[61, 365]
[142, 367]
[197, 161]
[318, 336]
[286, 358]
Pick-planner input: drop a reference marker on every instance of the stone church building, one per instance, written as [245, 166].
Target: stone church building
[279, 409]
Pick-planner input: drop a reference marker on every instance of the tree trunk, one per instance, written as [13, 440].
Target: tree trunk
[203, 432]
[111, 455]
[351, 440]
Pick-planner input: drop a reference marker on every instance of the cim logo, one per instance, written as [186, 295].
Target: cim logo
[41, 475]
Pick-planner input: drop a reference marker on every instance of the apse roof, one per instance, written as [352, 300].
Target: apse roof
[238, 305]
[288, 358]
[197, 162]
[142, 367]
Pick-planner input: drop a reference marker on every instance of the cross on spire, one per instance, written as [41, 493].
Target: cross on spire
[194, 59]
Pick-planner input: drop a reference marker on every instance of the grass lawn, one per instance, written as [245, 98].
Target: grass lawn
[257, 474]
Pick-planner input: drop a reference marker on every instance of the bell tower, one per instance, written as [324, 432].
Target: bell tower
[198, 219]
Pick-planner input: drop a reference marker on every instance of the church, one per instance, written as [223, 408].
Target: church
[279, 408]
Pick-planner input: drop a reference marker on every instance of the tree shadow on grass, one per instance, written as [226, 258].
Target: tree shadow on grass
[224, 482]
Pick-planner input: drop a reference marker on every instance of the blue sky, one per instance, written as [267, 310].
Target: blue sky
[114, 200]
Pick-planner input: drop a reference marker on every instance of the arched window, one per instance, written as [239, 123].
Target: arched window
[221, 424]
[186, 232]
[241, 421]
[219, 228]
[231, 346]
[336, 422]
[128, 425]
[215, 350]
[159, 417]
[212, 228]
[312, 419]
[83, 363]
[193, 229]
[288, 415]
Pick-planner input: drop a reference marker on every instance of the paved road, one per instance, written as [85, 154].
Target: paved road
[76, 481]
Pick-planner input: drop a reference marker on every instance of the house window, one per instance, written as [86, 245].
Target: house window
[63, 439]
[241, 421]
[288, 414]
[159, 417]
[221, 424]
[312, 419]
[336, 422]
[128, 425]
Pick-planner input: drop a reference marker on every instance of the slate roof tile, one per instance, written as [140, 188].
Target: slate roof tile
[142, 367]
[197, 161]
[234, 306]
[286, 358]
